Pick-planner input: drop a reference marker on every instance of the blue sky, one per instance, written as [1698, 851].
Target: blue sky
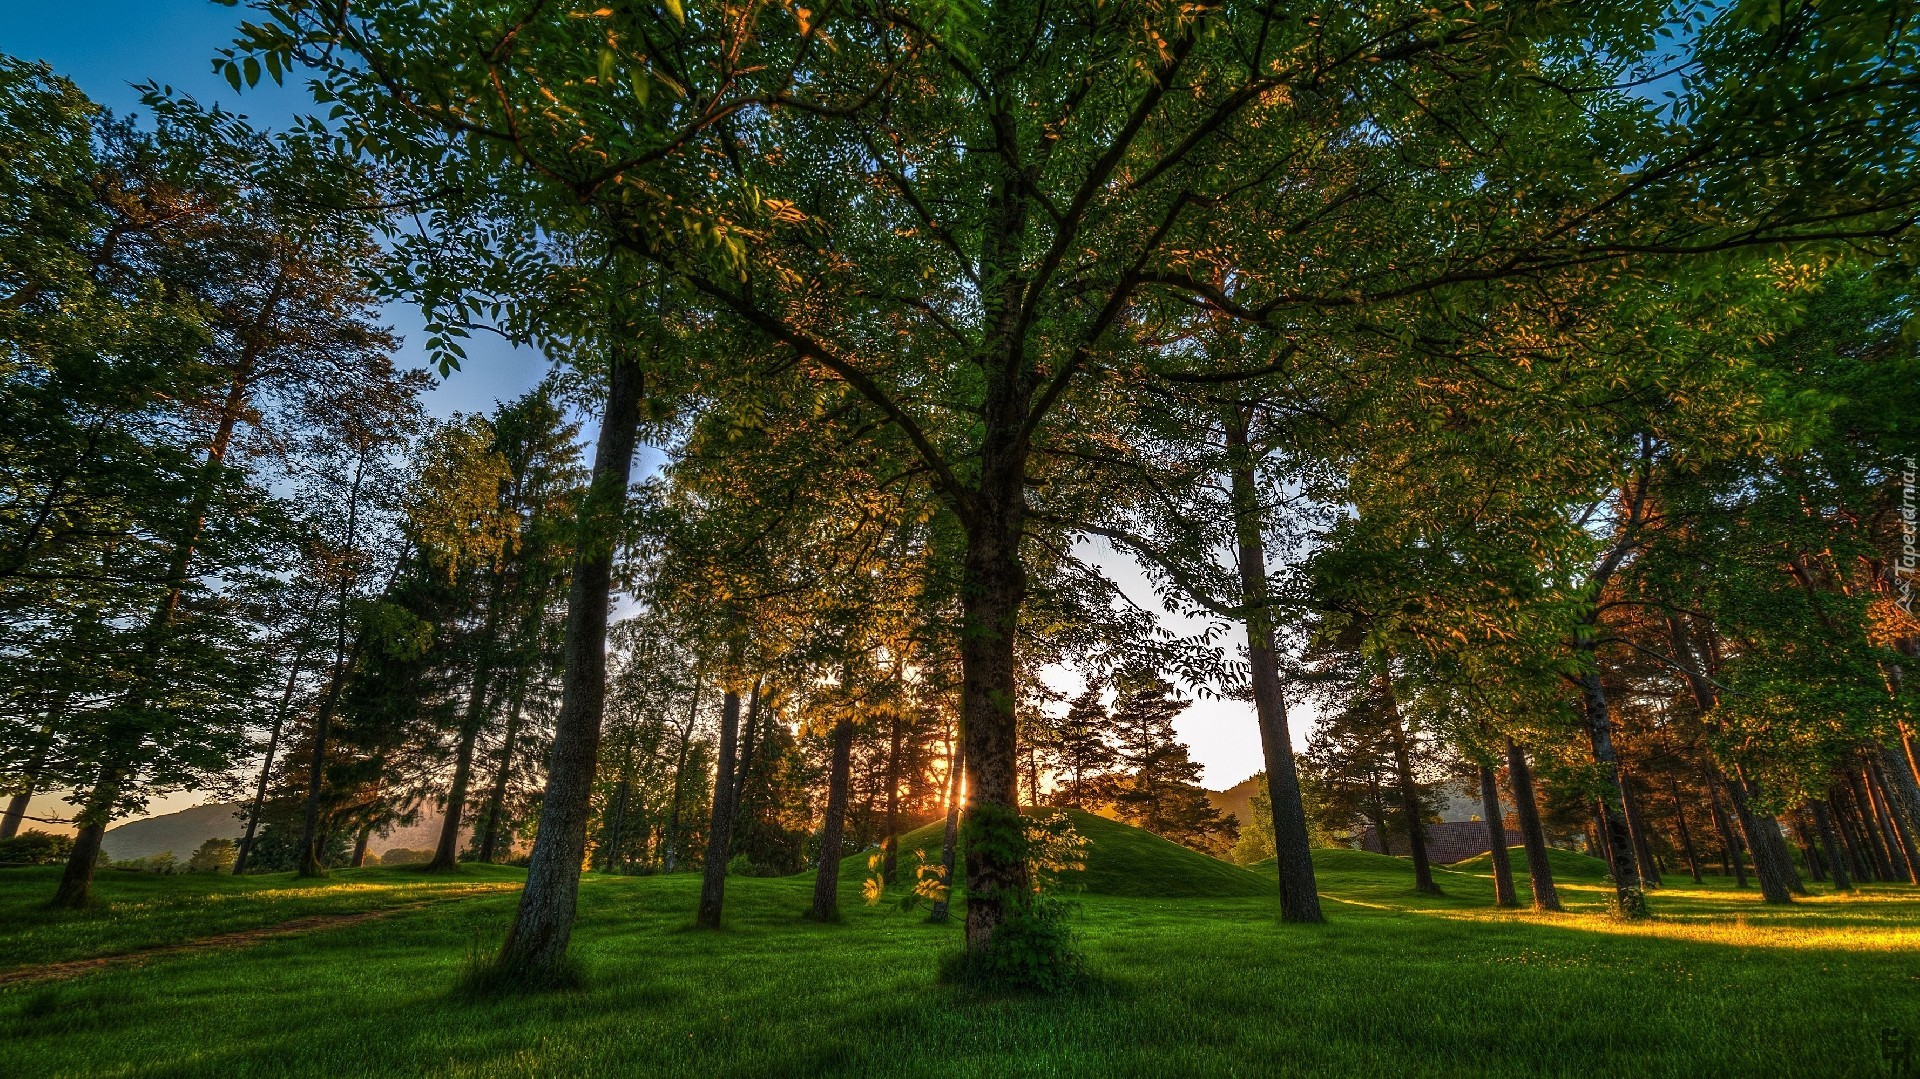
[109, 46]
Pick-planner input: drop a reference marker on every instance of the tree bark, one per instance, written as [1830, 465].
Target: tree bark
[672, 840]
[994, 585]
[1899, 843]
[536, 945]
[497, 795]
[1503, 894]
[360, 845]
[446, 857]
[1686, 834]
[1870, 827]
[1630, 900]
[1836, 859]
[713, 880]
[826, 880]
[1539, 870]
[245, 852]
[1409, 794]
[1729, 841]
[1292, 850]
[1637, 828]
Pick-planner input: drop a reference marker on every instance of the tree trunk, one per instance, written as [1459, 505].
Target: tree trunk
[360, 845]
[1858, 860]
[623, 792]
[30, 778]
[993, 587]
[311, 840]
[1292, 851]
[1629, 899]
[672, 840]
[536, 945]
[1637, 828]
[1686, 834]
[1836, 860]
[1870, 827]
[713, 880]
[826, 880]
[1892, 827]
[1539, 870]
[1729, 841]
[1409, 794]
[1809, 847]
[956, 770]
[1503, 894]
[497, 795]
[266, 766]
[446, 857]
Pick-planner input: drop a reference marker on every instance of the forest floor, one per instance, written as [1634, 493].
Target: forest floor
[1395, 983]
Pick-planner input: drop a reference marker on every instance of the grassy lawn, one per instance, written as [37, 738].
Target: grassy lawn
[1394, 985]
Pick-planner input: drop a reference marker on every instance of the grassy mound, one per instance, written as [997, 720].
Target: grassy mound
[1567, 865]
[1121, 860]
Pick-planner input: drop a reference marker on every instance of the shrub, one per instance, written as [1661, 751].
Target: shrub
[163, 863]
[35, 847]
[406, 856]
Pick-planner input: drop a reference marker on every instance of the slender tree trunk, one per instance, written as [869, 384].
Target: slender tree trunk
[1729, 840]
[679, 772]
[889, 845]
[245, 852]
[1503, 894]
[623, 792]
[360, 845]
[312, 842]
[1629, 899]
[536, 945]
[1534, 837]
[1858, 860]
[1836, 860]
[1870, 827]
[713, 881]
[826, 881]
[1292, 851]
[446, 857]
[1809, 847]
[1409, 794]
[1899, 847]
[1686, 834]
[1637, 828]
[30, 778]
[749, 739]
[502, 776]
[956, 771]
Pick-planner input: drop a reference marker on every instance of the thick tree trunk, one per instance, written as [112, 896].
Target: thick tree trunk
[1771, 863]
[536, 945]
[1410, 813]
[1629, 899]
[1836, 859]
[1503, 893]
[994, 585]
[826, 880]
[956, 770]
[1292, 852]
[713, 879]
[1539, 870]
[1686, 833]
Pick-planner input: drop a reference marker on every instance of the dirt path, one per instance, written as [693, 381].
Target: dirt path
[73, 968]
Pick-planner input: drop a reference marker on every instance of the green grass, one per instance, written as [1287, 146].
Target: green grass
[135, 911]
[1395, 984]
[1566, 864]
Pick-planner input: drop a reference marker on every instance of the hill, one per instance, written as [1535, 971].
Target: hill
[1121, 860]
[1567, 865]
[183, 832]
[1238, 799]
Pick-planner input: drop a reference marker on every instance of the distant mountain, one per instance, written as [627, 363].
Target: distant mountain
[1238, 799]
[184, 831]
